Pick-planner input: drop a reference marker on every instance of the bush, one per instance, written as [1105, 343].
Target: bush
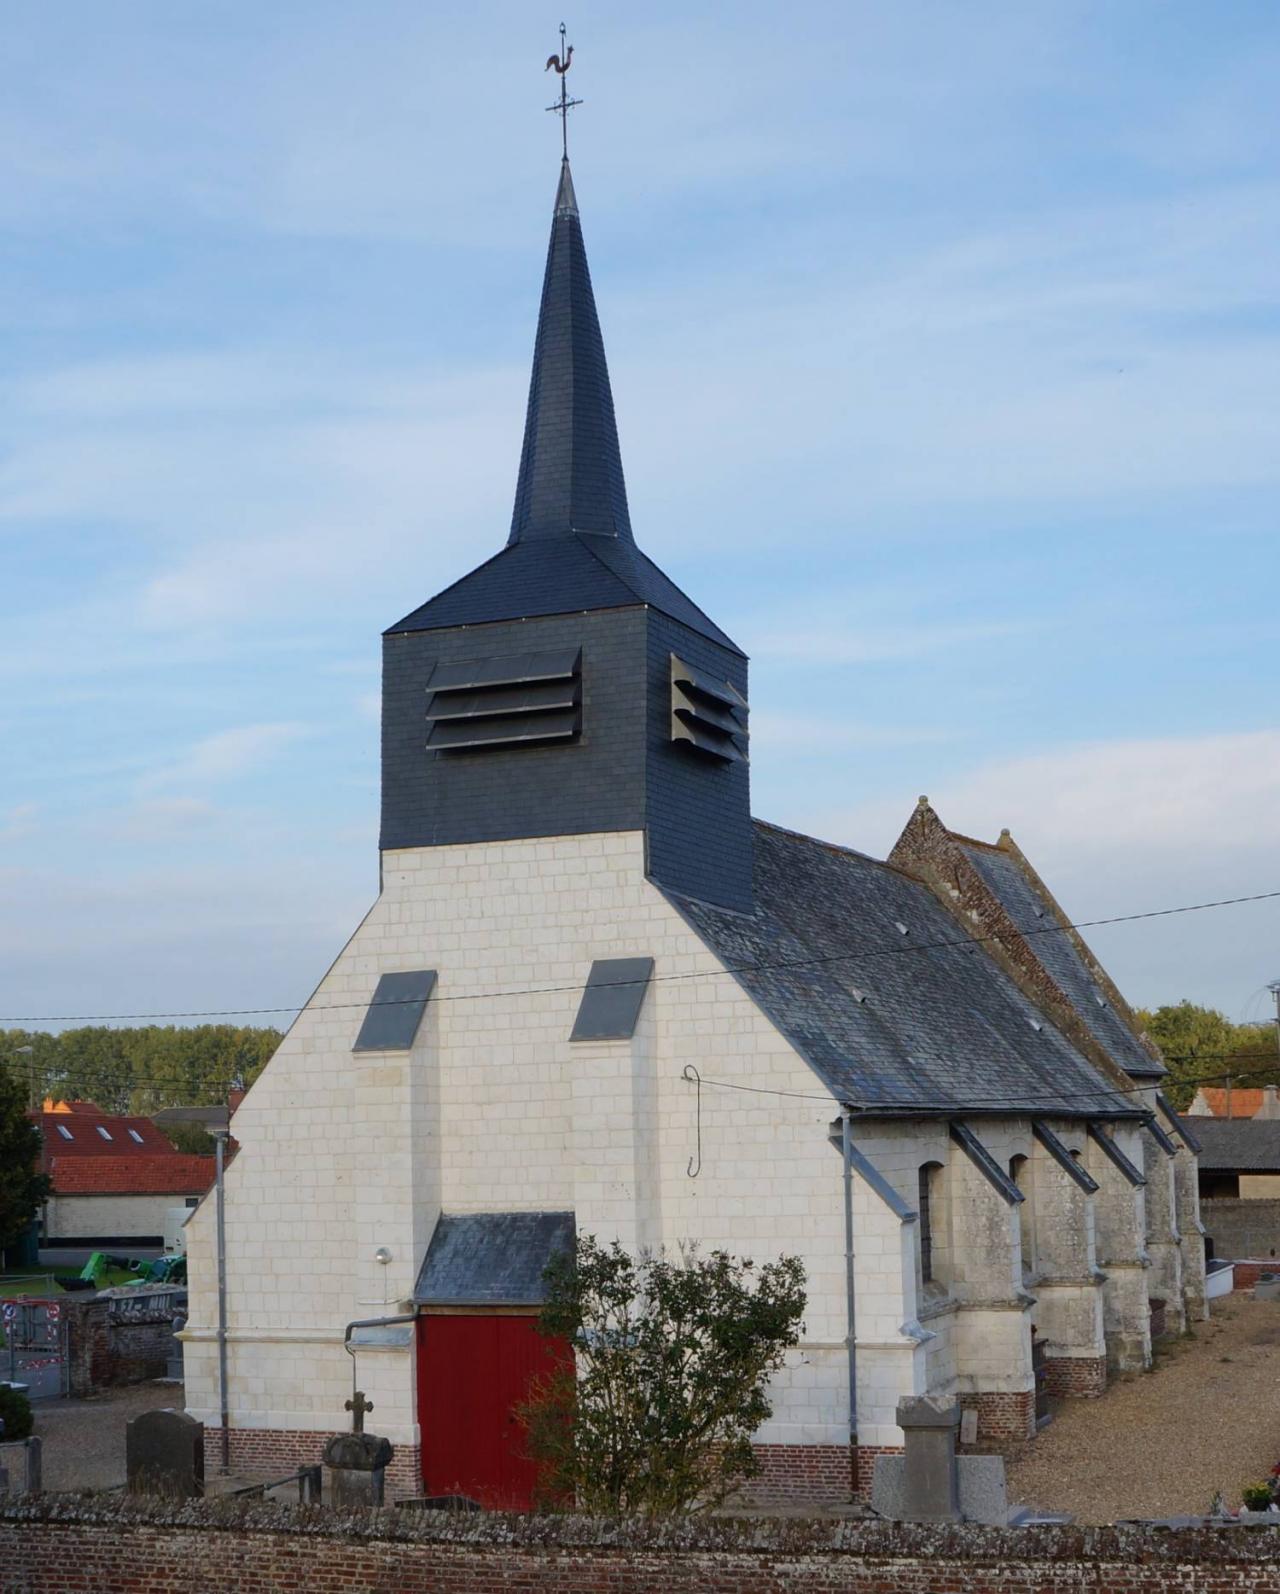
[1257, 1496]
[672, 1362]
[15, 1413]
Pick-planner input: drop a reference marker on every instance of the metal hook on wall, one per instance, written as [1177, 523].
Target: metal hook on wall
[695, 1078]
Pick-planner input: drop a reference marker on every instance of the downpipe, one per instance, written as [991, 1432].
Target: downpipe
[846, 1146]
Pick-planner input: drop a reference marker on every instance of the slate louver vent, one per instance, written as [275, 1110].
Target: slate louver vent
[708, 714]
[520, 700]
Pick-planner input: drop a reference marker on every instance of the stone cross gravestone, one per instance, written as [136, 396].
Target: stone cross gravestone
[164, 1454]
[357, 1461]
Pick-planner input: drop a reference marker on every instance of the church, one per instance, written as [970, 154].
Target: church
[596, 996]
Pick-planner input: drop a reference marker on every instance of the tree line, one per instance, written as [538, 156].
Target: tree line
[1202, 1046]
[138, 1070]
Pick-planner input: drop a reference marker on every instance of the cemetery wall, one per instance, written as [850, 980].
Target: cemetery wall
[1244, 1228]
[55, 1543]
[106, 1348]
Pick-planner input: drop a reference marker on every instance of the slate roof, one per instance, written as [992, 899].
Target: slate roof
[564, 575]
[1061, 957]
[570, 546]
[172, 1173]
[889, 1030]
[570, 466]
[1238, 1145]
[492, 1258]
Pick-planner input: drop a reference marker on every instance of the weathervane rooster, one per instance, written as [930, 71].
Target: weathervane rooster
[564, 104]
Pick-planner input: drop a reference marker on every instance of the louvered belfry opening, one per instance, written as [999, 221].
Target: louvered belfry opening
[708, 714]
[517, 700]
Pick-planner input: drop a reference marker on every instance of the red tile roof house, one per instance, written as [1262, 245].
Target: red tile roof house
[114, 1178]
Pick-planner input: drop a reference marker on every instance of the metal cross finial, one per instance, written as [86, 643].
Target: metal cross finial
[357, 1406]
[564, 104]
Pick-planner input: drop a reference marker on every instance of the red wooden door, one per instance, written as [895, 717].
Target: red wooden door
[472, 1372]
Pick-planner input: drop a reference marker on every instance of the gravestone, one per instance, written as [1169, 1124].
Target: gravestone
[164, 1454]
[21, 1466]
[980, 1486]
[356, 1462]
[931, 1488]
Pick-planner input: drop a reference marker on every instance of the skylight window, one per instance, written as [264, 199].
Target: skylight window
[134, 1135]
[65, 1132]
[105, 1133]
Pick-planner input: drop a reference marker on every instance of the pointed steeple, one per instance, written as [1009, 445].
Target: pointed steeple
[570, 467]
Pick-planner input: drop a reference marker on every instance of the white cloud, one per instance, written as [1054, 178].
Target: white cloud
[226, 755]
[1127, 827]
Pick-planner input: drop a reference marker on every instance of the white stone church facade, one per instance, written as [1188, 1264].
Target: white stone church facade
[585, 922]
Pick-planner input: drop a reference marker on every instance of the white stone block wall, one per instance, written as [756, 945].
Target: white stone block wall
[495, 1109]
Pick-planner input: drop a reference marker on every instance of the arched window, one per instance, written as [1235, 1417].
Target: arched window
[1020, 1173]
[928, 1205]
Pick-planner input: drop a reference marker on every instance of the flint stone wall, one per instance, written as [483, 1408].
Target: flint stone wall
[259, 1549]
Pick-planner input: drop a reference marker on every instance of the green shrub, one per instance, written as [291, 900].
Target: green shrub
[1257, 1496]
[15, 1411]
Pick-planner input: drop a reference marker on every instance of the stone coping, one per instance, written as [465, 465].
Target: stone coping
[1229, 1543]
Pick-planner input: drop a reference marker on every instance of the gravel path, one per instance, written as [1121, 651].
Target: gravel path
[84, 1439]
[1159, 1444]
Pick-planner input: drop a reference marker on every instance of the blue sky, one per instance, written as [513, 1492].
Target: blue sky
[944, 344]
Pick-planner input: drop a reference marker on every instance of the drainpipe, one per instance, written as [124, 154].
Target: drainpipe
[370, 1322]
[220, 1141]
[846, 1146]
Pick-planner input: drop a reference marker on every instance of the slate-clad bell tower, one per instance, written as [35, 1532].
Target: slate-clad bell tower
[566, 685]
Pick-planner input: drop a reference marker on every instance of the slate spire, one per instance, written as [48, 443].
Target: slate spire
[570, 466]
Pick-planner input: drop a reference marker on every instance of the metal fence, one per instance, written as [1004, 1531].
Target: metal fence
[35, 1353]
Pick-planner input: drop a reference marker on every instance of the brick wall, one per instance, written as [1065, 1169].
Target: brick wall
[1081, 1377]
[789, 1474]
[801, 1475]
[103, 1353]
[1246, 1274]
[283, 1450]
[52, 1544]
[1003, 1418]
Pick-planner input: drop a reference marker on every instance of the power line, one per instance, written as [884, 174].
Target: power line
[1026, 1101]
[696, 974]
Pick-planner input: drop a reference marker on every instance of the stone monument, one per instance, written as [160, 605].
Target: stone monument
[929, 1482]
[356, 1462]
